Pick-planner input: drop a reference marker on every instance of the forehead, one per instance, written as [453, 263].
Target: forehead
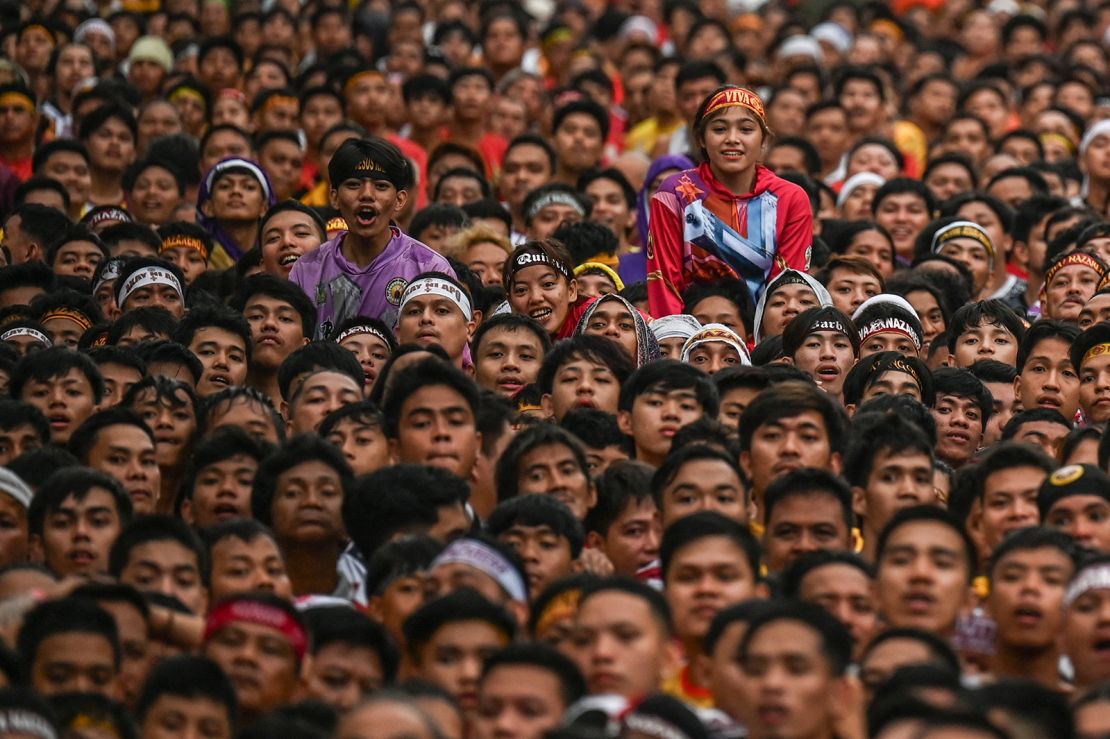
[836, 574]
[261, 546]
[924, 534]
[511, 334]
[810, 505]
[329, 380]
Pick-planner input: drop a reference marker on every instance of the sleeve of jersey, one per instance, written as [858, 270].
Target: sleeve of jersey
[665, 279]
[795, 235]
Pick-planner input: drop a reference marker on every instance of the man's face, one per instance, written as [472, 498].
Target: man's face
[507, 360]
[224, 356]
[703, 578]
[173, 716]
[1009, 502]
[546, 554]
[19, 243]
[610, 207]
[553, 469]
[251, 416]
[632, 541]
[622, 648]
[306, 503]
[320, 394]
[1094, 388]
[788, 444]
[582, 383]
[276, 330]
[903, 215]
[655, 418]
[1003, 406]
[1027, 597]
[959, 428]
[260, 662]
[578, 142]
[18, 440]
[156, 296]
[787, 686]
[1048, 380]
[126, 452]
[75, 662]
[282, 160]
[433, 319]
[691, 93]
[805, 523]
[240, 566]
[453, 658]
[829, 133]
[705, 485]
[827, 357]
[167, 567]
[847, 593]
[1086, 518]
[972, 255]
[17, 123]
[518, 702]
[896, 481]
[525, 168]
[923, 577]
[1068, 291]
[438, 427]
[72, 170]
[221, 145]
[1084, 634]
[111, 147]
[66, 401]
[1095, 310]
[118, 379]
[386, 720]
[134, 643]
[77, 535]
[343, 674]
[13, 531]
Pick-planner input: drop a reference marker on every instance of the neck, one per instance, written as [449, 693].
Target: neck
[311, 566]
[740, 183]
[107, 188]
[642, 455]
[167, 497]
[15, 152]
[362, 251]
[426, 137]
[264, 380]
[1038, 665]
[566, 176]
[1033, 287]
[467, 132]
[243, 233]
[1097, 193]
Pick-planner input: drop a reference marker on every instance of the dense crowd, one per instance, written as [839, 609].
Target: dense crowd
[564, 369]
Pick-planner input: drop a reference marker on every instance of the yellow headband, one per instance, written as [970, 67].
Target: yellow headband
[279, 99]
[359, 75]
[14, 98]
[1095, 351]
[564, 605]
[188, 92]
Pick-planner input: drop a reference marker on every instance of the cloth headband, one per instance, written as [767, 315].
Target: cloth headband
[234, 94]
[897, 325]
[146, 277]
[564, 605]
[901, 365]
[107, 213]
[441, 288]
[1069, 260]
[736, 97]
[829, 324]
[855, 181]
[110, 272]
[16, 98]
[534, 258]
[359, 75]
[361, 329]
[720, 333]
[261, 614]
[677, 326]
[280, 99]
[963, 230]
[1091, 578]
[555, 198]
[1096, 351]
[486, 559]
[228, 165]
[69, 313]
[604, 268]
[34, 333]
[1058, 138]
[21, 721]
[1102, 128]
[335, 225]
[188, 92]
[181, 241]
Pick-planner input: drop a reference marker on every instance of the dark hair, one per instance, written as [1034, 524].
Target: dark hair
[594, 428]
[371, 518]
[624, 482]
[99, 116]
[586, 106]
[963, 384]
[538, 510]
[15, 413]
[1035, 415]
[542, 434]
[404, 557]
[572, 685]
[1035, 537]
[789, 399]
[460, 605]
[928, 514]
[891, 433]
[64, 615]
[903, 185]
[511, 322]
[596, 349]
[188, 676]
[296, 451]
[147, 529]
[1009, 455]
[942, 652]
[678, 458]
[44, 151]
[86, 436]
[651, 597]
[790, 581]
[993, 312]
[808, 481]
[667, 375]
[1033, 211]
[836, 641]
[51, 363]
[531, 139]
[702, 525]
[953, 157]
[35, 184]
[278, 289]
[348, 628]
[213, 316]
[316, 356]
[425, 373]
[1041, 330]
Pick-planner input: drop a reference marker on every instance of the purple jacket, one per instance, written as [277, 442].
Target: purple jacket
[340, 289]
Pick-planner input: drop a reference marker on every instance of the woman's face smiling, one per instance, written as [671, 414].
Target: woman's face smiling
[733, 140]
[541, 293]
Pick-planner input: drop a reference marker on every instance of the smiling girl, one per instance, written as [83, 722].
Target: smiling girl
[730, 216]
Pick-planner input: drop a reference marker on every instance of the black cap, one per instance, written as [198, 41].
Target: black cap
[1072, 479]
[370, 159]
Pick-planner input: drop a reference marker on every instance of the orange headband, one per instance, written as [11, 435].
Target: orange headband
[14, 98]
[276, 99]
[76, 316]
[186, 242]
[736, 97]
[358, 75]
[1075, 257]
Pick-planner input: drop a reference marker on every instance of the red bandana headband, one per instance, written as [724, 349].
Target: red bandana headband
[1075, 257]
[734, 97]
[260, 614]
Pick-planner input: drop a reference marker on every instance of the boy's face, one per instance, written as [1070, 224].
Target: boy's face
[518, 702]
[972, 255]
[319, 395]
[276, 330]
[453, 658]
[655, 418]
[342, 674]
[826, 356]
[850, 289]
[190, 261]
[799, 706]
[75, 662]
[897, 480]
[437, 427]
[171, 716]
[847, 593]
[714, 356]
[260, 662]
[985, 341]
[625, 649]
[367, 205]
[704, 577]
[306, 503]
[1094, 388]
[168, 567]
[364, 445]
[17, 440]
[431, 319]
[77, 535]
[546, 554]
[1003, 407]
[1086, 518]
[427, 112]
[800, 524]
[733, 403]
[242, 566]
[922, 577]
[66, 400]
[1009, 502]
[783, 304]
[582, 383]
[704, 485]
[786, 444]
[126, 452]
[553, 469]
[221, 492]
[397, 602]
[632, 541]
[959, 428]
[249, 415]
[1027, 597]
[1048, 380]
[224, 356]
[118, 379]
[613, 320]
[507, 360]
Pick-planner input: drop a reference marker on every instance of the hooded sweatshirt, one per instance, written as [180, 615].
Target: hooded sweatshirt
[700, 231]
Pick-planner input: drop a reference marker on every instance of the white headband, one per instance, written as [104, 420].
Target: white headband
[716, 333]
[485, 558]
[1091, 578]
[34, 333]
[440, 287]
[860, 178]
[146, 277]
[676, 326]
[1102, 128]
[22, 721]
[361, 329]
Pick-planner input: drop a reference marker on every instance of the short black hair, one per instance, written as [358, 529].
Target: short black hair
[836, 640]
[15, 413]
[51, 363]
[188, 676]
[963, 384]
[316, 356]
[296, 451]
[872, 435]
[788, 399]
[572, 685]
[587, 107]
[86, 436]
[404, 557]
[624, 482]
[459, 605]
[790, 581]
[1035, 537]
[1041, 330]
[347, 627]
[596, 349]
[61, 616]
[626, 585]
[691, 529]
[278, 289]
[666, 375]
[678, 458]
[425, 373]
[153, 319]
[993, 312]
[808, 481]
[930, 514]
[507, 473]
[538, 510]
[156, 528]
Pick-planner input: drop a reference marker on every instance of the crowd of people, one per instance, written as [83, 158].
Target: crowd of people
[565, 369]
